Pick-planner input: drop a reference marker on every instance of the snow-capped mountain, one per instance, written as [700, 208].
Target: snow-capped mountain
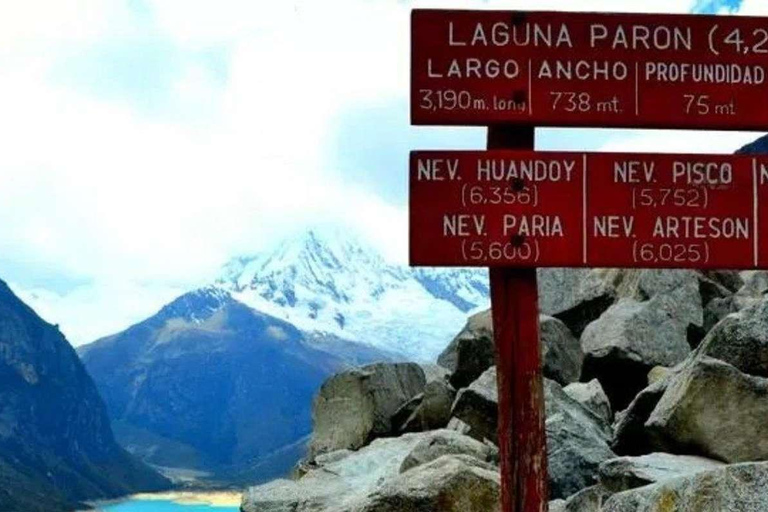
[331, 282]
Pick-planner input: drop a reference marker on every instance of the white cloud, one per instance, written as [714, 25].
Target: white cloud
[41, 22]
[81, 312]
[95, 190]
[753, 8]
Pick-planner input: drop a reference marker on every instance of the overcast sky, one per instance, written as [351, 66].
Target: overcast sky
[145, 142]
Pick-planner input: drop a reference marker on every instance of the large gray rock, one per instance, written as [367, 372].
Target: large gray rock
[561, 354]
[451, 483]
[754, 289]
[575, 296]
[741, 339]
[711, 293]
[731, 280]
[658, 373]
[472, 351]
[435, 372]
[476, 408]
[404, 413]
[433, 410]
[590, 499]
[708, 284]
[632, 337]
[620, 474]
[717, 309]
[356, 406]
[713, 409]
[577, 442]
[336, 478]
[448, 442]
[577, 439]
[736, 488]
[630, 434]
[580, 296]
[591, 395]
[557, 506]
[623, 473]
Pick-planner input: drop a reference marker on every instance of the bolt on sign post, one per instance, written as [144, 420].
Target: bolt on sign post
[513, 209]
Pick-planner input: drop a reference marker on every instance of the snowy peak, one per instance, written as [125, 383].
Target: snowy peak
[196, 306]
[316, 260]
[330, 281]
[463, 288]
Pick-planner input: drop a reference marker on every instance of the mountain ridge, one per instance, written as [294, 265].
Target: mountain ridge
[332, 282]
[56, 445]
[252, 348]
[210, 383]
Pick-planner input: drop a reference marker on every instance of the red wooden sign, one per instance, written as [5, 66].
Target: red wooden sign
[534, 209]
[587, 69]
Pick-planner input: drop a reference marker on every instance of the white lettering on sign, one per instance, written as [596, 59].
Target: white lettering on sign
[641, 37]
[763, 174]
[527, 170]
[463, 225]
[686, 72]
[634, 171]
[475, 68]
[583, 70]
[505, 34]
[437, 169]
[533, 225]
[613, 226]
[701, 227]
[702, 173]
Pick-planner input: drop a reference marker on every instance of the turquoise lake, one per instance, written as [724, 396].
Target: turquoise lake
[162, 506]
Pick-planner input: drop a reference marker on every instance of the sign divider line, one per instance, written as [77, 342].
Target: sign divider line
[584, 208]
[756, 217]
[530, 87]
[637, 88]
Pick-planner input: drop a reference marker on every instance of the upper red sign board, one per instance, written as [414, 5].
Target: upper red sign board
[587, 69]
[542, 209]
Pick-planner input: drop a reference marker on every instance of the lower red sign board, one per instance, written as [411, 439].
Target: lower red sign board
[548, 209]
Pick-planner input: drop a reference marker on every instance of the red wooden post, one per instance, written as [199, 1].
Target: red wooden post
[515, 309]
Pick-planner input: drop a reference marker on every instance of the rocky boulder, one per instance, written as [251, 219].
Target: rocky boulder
[577, 439]
[590, 499]
[433, 410]
[577, 442]
[561, 355]
[451, 483]
[625, 473]
[341, 477]
[755, 287]
[435, 372]
[630, 435]
[591, 395]
[632, 337]
[575, 296]
[557, 506]
[356, 406]
[472, 351]
[448, 442]
[713, 409]
[736, 488]
[476, 408]
[741, 340]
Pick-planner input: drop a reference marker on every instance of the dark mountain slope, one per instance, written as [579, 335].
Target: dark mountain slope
[210, 383]
[56, 444]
